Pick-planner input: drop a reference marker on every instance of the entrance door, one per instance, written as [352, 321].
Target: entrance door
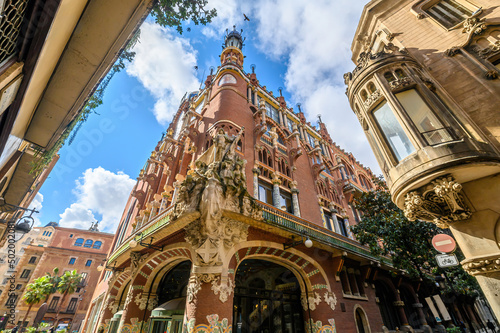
[266, 299]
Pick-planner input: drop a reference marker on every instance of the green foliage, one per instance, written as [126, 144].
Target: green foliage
[387, 232]
[37, 291]
[69, 282]
[30, 329]
[454, 329]
[171, 13]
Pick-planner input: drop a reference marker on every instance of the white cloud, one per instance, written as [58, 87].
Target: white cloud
[164, 64]
[98, 191]
[37, 204]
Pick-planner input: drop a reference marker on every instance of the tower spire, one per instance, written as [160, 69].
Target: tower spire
[233, 44]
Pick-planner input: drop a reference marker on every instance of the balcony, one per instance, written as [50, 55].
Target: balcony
[292, 223]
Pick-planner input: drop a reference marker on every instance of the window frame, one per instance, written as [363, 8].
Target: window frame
[88, 263]
[79, 244]
[88, 243]
[72, 261]
[25, 274]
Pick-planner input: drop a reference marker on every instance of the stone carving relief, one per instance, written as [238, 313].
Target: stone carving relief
[482, 265]
[374, 97]
[313, 299]
[439, 202]
[113, 306]
[367, 58]
[474, 25]
[331, 299]
[400, 83]
[136, 259]
[222, 288]
[217, 184]
[141, 300]
[194, 285]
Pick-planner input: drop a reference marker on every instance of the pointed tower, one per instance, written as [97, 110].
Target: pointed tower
[233, 44]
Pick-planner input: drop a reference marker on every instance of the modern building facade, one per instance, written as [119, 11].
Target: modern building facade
[426, 90]
[239, 222]
[67, 249]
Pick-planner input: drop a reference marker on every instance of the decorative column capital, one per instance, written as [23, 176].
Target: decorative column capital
[482, 265]
[256, 170]
[439, 202]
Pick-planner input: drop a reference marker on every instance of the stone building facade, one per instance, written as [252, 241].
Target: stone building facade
[239, 222]
[426, 90]
[67, 249]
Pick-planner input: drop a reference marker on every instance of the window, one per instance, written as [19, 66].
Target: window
[53, 303]
[286, 201]
[97, 245]
[84, 276]
[272, 112]
[424, 119]
[329, 221]
[393, 132]
[227, 79]
[290, 125]
[449, 13]
[72, 305]
[79, 242]
[350, 279]
[72, 261]
[32, 260]
[25, 274]
[11, 301]
[88, 263]
[265, 193]
[71, 236]
[343, 228]
[88, 243]
[19, 286]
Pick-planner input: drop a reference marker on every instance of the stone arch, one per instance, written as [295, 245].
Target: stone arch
[156, 263]
[312, 276]
[358, 309]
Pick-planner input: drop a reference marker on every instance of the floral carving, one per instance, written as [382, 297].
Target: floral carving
[331, 299]
[474, 25]
[375, 96]
[400, 83]
[193, 288]
[440, 202]
[136, 259]
[313, 299]
[452, 52]
[223, 289]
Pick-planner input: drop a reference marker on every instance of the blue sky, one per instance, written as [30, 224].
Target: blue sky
[301, 46]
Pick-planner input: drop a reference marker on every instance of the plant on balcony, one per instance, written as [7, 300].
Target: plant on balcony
[36, 292]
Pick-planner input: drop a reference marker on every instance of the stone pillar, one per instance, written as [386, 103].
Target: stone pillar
[418, 307]
[399, 304]
[276, 192]
[334, 212]
[130, 309]
[295, 198]
[249, 92]
[215, 287]
[256, 173]
[280, 116]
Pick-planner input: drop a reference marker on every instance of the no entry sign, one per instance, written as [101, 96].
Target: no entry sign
[444, 243]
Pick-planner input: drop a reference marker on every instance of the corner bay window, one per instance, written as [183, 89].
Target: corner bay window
[393, 132]
[424, 119]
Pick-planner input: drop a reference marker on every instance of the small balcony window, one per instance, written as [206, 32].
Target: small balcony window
[393, 132]
[265, 193]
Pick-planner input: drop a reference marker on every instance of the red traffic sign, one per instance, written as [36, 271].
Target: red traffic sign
[444, 243]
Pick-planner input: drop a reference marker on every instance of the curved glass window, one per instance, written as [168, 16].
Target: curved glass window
[79, 242]
[88, 243]
[393, 132]
[227, 79]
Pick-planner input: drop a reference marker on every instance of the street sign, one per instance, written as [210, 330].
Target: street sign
[444, 243]
[446, 260]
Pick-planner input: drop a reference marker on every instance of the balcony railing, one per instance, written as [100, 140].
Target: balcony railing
[295, 224]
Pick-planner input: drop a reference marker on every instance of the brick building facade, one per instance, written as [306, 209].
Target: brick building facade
[239, 222]
[67, 249]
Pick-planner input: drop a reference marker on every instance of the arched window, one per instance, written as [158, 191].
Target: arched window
[97, 245]
[88, 243]
[227, 79]
[364, 95]
[389, 77]
[399, 73]
[371, 87]
[79, 242]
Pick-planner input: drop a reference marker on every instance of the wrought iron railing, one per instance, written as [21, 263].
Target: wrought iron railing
[297, 225]
[10, 27]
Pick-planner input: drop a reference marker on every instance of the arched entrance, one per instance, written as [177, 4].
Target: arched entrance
[266, 299]
[168, 317]
[361, 321]
[385, 302]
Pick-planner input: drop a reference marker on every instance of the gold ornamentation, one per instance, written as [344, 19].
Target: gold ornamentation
[440, 202]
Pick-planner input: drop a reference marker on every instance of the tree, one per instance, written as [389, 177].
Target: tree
[387, 232]
[171, 13]
[68, 284]
[37, 291]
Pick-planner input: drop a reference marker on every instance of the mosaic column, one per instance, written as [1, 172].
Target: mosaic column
[256, 173]
[295, 198]
[276, 192]
[334, 212]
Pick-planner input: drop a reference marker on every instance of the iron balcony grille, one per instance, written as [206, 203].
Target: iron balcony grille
[10, 27]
